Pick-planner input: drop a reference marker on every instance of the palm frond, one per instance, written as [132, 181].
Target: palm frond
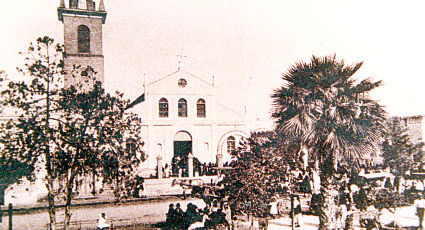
[321, 103]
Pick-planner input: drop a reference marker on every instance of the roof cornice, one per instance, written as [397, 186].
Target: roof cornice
[62, 11]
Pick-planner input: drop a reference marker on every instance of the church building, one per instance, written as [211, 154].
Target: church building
[180, 112]
[181, 116]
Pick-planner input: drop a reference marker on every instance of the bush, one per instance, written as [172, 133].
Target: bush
[388, 199]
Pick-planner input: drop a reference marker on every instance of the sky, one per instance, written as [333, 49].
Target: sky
[245, 44]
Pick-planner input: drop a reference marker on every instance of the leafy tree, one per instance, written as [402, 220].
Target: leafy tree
[95, 133]
[399, 153]
[27, 138]
[333, 119]
[11, 170]
[70, 131]
[258, 173]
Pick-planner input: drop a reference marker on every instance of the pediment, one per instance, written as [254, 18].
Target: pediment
[182, 83]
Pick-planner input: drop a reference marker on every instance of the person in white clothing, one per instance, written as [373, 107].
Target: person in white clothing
[102, 222]
[274, 211]
[228, 212]
[420, 207]
[419, 186]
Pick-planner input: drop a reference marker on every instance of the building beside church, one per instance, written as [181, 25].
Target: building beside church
[414, 125]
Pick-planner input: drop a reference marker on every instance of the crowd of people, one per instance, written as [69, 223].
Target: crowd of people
[197, 218]
[362, 194]
[178, 168]
[356, 193]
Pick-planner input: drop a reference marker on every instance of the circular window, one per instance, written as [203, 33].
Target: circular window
[182, 82]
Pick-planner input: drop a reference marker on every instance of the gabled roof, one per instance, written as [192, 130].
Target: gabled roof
[179, 72]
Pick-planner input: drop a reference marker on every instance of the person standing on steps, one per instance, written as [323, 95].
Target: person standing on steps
[420, 208]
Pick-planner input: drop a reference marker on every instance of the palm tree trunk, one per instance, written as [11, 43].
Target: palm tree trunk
[327, 205]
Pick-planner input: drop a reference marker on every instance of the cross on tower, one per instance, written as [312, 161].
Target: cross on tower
[181, 60]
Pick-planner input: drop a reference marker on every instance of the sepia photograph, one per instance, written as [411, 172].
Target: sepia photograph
[200, 114]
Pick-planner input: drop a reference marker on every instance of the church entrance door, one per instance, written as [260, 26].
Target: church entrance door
[182, 148]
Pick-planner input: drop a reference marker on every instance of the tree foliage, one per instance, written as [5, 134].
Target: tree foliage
[26, 137]
[325, 109]
[11, 170]
[96, 131]
[71, 132]
[398, 151]
[258, 174]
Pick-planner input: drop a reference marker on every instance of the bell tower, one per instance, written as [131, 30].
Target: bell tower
[82, 21]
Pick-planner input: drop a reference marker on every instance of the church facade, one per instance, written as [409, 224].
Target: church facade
[181, 117]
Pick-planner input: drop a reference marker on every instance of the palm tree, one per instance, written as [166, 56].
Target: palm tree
[332, 119]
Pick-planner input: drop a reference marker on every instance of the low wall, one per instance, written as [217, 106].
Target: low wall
[165, 186]
[28, 194]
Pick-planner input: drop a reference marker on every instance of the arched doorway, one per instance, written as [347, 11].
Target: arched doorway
[182, 147]
[182, 144]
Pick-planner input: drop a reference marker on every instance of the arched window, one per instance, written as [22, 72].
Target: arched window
[231, 144]
[83, 39]
[182, 108]
[200, 108]
[163, 107]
